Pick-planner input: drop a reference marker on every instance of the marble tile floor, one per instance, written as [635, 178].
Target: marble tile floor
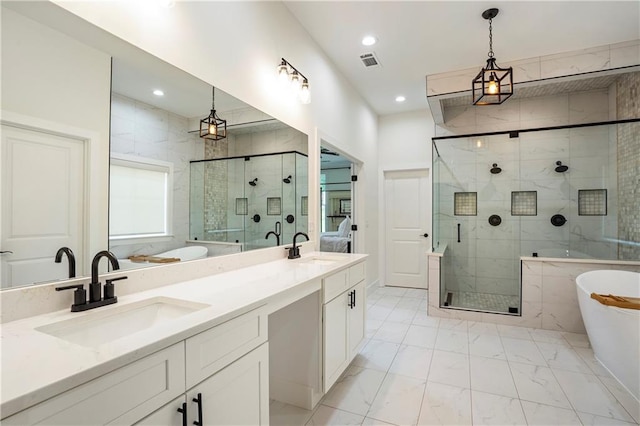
[421, 370]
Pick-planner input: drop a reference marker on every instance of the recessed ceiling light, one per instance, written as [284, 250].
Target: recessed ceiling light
[158, 92]
[400, 99]
[369, 40]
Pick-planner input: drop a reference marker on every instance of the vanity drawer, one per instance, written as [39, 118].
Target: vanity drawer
[214, 349]
[121, 397]
[335, 284]
[356, 273]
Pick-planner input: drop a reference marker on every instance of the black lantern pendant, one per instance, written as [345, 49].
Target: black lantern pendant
[213, 127]
[493, 85]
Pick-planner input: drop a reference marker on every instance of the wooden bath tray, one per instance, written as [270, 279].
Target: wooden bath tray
[626, 302]
[153, 259]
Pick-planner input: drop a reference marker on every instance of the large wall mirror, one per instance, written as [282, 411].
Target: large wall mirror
[172, 195]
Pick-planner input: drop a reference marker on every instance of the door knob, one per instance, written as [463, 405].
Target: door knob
[424, 235]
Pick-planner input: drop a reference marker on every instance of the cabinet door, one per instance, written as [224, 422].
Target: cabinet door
[236, 395]
[167, 415]
[336, 349]
[356, 319]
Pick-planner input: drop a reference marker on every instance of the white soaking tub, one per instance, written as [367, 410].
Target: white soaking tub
[614, 332]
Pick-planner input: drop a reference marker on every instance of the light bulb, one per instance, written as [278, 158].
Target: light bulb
[305, 93]
[296, 82]
[493, 85]
[213, 129]
[283, 73]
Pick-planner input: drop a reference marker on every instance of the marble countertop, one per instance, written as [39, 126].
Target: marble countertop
[37, 366]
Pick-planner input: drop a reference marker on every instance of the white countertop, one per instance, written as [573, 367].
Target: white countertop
[37, 366]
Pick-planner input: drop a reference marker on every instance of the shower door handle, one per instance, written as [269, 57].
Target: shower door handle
[458, 232]
[424, 235]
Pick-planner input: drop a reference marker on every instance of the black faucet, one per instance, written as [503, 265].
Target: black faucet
[70, 257]
[276, 233]
[294, 252]
[94, 285]
[80, 303]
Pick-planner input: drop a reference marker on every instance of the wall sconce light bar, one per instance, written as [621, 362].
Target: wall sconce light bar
[288, 74]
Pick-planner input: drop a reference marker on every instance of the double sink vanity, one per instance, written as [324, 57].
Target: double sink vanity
[212, 350]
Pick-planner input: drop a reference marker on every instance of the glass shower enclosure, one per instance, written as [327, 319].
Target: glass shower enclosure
[239, 200]
[540, 193]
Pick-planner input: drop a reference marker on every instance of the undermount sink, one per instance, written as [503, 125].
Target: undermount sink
[321, 260]
[100, 327]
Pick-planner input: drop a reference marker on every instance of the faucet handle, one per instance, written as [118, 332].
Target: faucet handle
[109, 288]
[79, 296]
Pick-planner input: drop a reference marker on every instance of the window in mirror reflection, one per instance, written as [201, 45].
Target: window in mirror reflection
[139, 197]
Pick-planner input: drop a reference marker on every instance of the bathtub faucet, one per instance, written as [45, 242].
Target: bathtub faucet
[276, 233]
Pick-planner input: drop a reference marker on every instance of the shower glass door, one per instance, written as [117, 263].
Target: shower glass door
[473, 180]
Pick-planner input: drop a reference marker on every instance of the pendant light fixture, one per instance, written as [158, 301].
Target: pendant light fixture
[493, 85]
[213, 127]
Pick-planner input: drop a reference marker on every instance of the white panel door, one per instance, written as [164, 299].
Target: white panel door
[407, 221]
[42, 192]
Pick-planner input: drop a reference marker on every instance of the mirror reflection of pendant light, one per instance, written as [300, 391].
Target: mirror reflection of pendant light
[213, 127]
[493, 85]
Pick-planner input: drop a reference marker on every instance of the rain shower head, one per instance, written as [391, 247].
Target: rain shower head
[561, 167]
[253, 182]
[495, 169]
[287, 179]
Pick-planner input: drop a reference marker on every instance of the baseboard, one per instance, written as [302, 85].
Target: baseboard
[373, 285]
[293, 393]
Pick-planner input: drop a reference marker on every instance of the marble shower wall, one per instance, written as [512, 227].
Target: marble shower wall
[486, 259]
[146, 131]
[628, 106]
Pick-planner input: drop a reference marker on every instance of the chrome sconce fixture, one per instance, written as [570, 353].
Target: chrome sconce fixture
[493, 85]
[288, 74]
[213, 127]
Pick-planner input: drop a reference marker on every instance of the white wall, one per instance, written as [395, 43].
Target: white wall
[237, 50]
[404, 142]
[41, 70]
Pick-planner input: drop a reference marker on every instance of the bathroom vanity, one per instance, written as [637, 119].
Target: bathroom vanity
[197, 351]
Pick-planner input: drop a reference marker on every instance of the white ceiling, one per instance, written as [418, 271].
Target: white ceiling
[417, 38]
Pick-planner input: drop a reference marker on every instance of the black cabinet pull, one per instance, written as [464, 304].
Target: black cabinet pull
[351, 299]
[354, 298]
[198, 400]
[458, 232]
[183, 410]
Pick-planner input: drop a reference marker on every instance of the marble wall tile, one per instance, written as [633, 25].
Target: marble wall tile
[588, 107]
[562, 316]
[575, 62]
[625, 54]
[531, 287]
[555, 109]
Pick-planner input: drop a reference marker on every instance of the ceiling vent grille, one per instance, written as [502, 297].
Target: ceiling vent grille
[369, 60]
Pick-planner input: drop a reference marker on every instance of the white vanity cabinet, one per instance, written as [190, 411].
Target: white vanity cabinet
[227, 365]
[343, 320]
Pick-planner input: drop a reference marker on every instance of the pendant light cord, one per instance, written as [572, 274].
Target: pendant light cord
[490, 39]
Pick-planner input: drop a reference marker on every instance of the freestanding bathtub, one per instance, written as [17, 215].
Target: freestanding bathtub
[614, 332]
[182, 253]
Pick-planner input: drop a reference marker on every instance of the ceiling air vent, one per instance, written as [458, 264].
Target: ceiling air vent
[369, 60]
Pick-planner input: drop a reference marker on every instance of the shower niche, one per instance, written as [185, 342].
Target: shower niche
[248, 202]
[554, 191]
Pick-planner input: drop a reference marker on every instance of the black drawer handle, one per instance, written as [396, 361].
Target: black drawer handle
[183, 410]
[198, 400]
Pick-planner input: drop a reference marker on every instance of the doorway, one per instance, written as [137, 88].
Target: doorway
[407, 221]
[337, 191]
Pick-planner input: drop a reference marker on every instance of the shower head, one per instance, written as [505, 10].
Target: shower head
[253, 182]
[495, 169]
[287, 179]
[561, 167]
